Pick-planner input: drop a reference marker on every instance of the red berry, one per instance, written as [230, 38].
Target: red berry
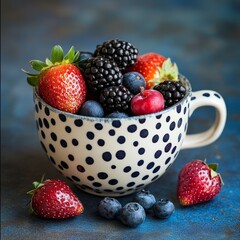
[54, 199]
[148, 65]
[198, 182]
[146, 102]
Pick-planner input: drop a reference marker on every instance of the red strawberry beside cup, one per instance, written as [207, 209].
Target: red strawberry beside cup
[198, 182]
[54, 199]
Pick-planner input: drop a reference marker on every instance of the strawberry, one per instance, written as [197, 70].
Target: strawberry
[155, 68]
[198, 182]
[54, 199]
[60, 82]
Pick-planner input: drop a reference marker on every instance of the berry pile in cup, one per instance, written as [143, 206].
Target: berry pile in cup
[134, 213]
[112, 81]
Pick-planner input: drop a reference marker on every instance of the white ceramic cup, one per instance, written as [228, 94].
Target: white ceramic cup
[118, 156]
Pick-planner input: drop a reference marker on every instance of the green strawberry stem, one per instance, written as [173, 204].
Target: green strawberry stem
[57, 58]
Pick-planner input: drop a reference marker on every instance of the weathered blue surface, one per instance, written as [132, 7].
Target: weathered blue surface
[201, 36]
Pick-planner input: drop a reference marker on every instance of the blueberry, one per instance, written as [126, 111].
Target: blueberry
[91, 108]
[109, 207]
[163, 208]
[132, 214]
[145, 199]
[117, 115]
[133, 81]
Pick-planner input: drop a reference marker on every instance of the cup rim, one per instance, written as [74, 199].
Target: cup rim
[107, 119]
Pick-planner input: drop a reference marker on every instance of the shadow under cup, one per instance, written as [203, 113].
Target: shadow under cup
[112, 156]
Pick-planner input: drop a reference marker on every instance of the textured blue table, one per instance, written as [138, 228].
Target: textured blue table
[201, 36]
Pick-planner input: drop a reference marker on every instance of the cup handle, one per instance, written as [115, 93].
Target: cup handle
[206, 98]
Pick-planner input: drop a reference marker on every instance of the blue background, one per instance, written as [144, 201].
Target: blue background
[201, 36]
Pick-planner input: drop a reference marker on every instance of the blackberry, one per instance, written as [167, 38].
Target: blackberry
[116, 98]
[172, 91]
[122, 52]
[100, 73]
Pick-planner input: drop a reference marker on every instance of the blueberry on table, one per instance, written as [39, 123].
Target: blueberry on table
[132, 214]
[109, 207]
[163, 208]
[145, 199]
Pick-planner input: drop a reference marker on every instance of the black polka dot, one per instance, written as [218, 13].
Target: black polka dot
[167, 160]
[158, 116]
[119, 188]
[179, 122]
[107, 156]
[179, 137]
[68, 129]
[60, 166]
[78, 122]
[130, 184]
[155, 138]
[43, 134]
[154, 178]
[80, 168]
[158, 125]
[62, 117]
[143, 120]
[52, 160]
[113, 181]
[218, 96]
[36, 108]
[150, 165]
[40, 105]
[113, 167]
[64, 165]
[75, 178]
[120, 154]
[158, 154]
[111, 132]
[46, 124]
[132, 128]
[172, 126]
[166, 137]
[101, 142]
[121, 139]
[185, 110]
[144, 133]
[179, 107]
[116, 124]
[140, 163]
[156, 169]
[206, 94]
[193, 98]
[90, 178]
[135, 143]
[174, 149]
[52, 148]
[98, 126]
[102, 175]
[127, 169]
[74, 142]
[89, 147]
[40, 122]
[168, 147]
[70, 157]
[46, 110]
[53, 136]
[63, 143]
[168, 118]
[89, 160]
[135, 174]
[90, 135]
[145, 177]
[53, 122]
[141, 151]
[97, 184]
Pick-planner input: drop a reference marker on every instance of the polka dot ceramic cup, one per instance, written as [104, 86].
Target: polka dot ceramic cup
[116, 157]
